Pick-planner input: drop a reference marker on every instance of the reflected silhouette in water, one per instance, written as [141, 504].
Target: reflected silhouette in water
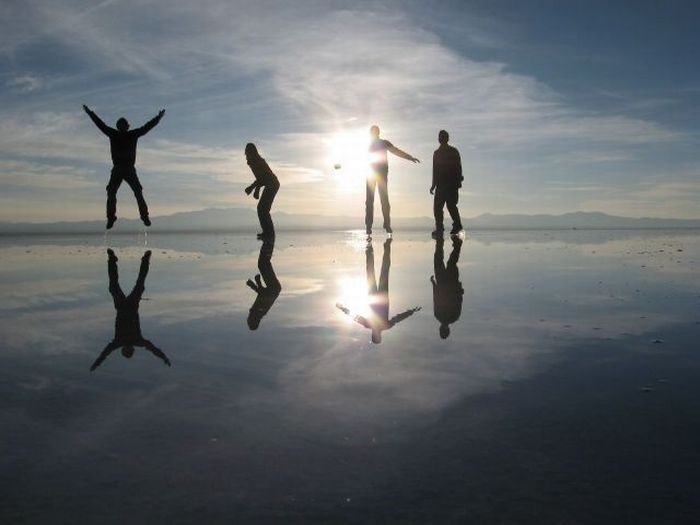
[378, 297]
[127, 326]
[267, 293]
[447, 288]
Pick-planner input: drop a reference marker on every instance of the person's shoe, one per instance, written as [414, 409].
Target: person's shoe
[368, 231]
[110, 222]
[388, 230]
[111, 256]
[146, 221]
[147, 255]
[455, 230]
[437, 233]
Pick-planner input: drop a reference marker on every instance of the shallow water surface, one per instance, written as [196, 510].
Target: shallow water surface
[542, 377]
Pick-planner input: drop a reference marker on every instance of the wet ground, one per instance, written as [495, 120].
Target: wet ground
[514, 377]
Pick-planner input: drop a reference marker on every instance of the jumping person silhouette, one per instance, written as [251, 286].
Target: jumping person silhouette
[378, 297]
[123, 147]
[264, 177]
[380, 171]
[447, 289]
[268, 292]
[447, 179]
[127, 327]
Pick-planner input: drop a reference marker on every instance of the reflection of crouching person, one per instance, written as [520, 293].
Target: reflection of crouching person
[447, 179]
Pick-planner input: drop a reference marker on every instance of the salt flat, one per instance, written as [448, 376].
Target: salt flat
[566, 390]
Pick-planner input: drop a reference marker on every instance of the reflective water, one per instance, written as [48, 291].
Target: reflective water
[543, 377]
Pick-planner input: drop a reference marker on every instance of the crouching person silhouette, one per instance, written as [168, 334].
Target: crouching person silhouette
[378, 297]
[123, 148]
[267, 292]
[264, 178]
[447, 288]
[127, 327]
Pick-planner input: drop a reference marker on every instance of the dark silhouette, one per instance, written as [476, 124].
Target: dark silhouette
[379, 177]
[447, 288]
[123, 146]
[127, 327]
[264, 177]
[378, 297]
[447, 179]
[267, 293]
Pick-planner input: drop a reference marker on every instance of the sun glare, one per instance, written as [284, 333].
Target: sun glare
[353, 296]
[348, 157]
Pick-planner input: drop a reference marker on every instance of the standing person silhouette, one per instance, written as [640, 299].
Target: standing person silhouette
[267, 292]
[447, 179]
[264, 177]
[447, 288]
[127, 326]
[122, 143]
[380, 171]
[378, 297]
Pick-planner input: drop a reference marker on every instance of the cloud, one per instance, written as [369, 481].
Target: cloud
[25, 83]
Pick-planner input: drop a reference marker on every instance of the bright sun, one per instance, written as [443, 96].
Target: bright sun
[348, 157]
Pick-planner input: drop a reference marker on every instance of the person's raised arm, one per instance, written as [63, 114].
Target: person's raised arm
[104, 128]
[400, 317]
[148, 126]
[156, 351]
[399, 153]
[105, 353]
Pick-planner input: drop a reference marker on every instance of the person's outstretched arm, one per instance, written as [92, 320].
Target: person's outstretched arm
[400, 317]
[399, 153]
[104, 128]
[156, 351]
[111, 347]
[148, 126]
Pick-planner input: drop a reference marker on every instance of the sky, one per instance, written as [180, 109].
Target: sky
[555, 106]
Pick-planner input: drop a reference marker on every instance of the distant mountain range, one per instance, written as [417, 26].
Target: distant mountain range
[245, 219]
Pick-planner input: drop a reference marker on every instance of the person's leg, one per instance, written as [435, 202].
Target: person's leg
[115, 180]
[264, 207]
[382, 184]
[113, 272]
[438, 204]
[369, 201]
[451, 201]
[133, 181]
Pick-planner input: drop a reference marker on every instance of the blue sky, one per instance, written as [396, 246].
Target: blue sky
[555, 106]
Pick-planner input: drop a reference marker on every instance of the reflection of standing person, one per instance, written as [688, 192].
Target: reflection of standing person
[123, 147]
[447, 289]
[378, 297]
[264, 178]
[447, 179]
[267, 293]
[378, 178]
[127, 327]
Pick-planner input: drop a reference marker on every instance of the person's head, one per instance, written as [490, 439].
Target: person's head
[123, 124]
[444, 331]
[374, 132]
[251, 152]
[376, 336]
[128, 351]
[443, 137]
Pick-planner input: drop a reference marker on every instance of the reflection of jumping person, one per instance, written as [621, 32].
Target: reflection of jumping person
[447, 179]
[267, 293]
[264, 177]
[123, 146]
[380, 171]
[447, 289]
[127, 327]
[378, 297]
